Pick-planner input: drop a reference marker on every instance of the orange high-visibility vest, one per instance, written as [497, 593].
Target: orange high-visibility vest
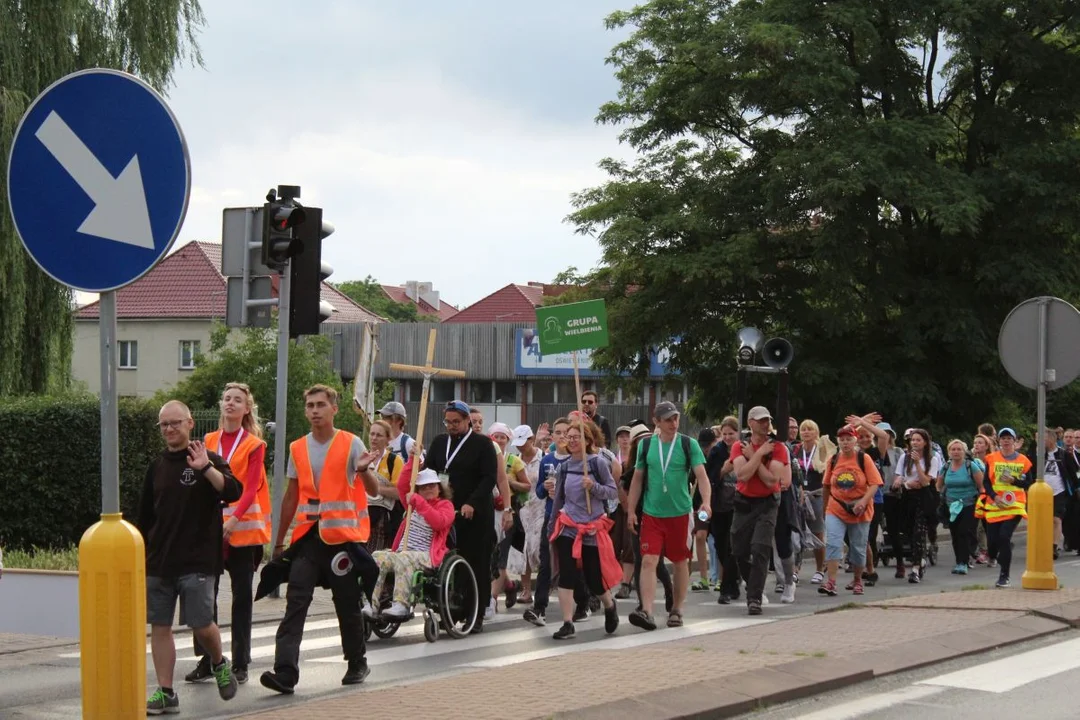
[342, 514]
[1004, 489]
[253, 527]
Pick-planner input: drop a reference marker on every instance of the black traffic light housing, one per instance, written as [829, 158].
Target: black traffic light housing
[306, 274]
[281, 217]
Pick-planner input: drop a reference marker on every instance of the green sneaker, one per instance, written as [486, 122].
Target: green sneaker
[226, 681]
[162, 704]
[700, 586]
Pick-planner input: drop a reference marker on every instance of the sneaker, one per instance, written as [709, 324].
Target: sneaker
[962, 569]
[643, 620]
[982, 559]
[478, 627]
[581, 613]
[611, 619]
[753, 607]
[201, 672]
[1057, 552]
[241, 674]
[161, 704]
[566, 632]
[717, 587]
[534, 616]
[1003, 582]
[779, 588]
[271, 681]
[489, 612]
[818, 578]
[828, 588]
[899, 571]
[594, 604]
[914, 577]
[624, 591]
[700, 586]
[357, 672]
[511, 593]
[397, 612]
[870, 579]
[725, 599]
[789, 594]
[764, 599]
[857, 588]
[369, 610]
[226, 682]
[991, 563]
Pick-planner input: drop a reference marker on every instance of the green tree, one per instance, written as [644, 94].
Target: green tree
[250, 356]
[39, 43]
[878, 180]
[368, 292]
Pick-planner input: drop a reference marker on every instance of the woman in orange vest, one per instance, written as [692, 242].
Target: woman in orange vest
[239, 439]
[1005, 502]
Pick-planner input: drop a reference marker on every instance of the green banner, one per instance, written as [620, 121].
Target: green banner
[577, 326]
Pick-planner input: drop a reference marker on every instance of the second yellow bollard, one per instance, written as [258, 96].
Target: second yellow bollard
[1040, 574]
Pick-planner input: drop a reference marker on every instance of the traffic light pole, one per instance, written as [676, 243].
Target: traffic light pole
[281, 439]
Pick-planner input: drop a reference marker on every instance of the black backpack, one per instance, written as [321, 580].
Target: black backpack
[860, 457]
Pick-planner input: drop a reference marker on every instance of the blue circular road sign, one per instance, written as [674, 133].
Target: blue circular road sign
[98, 179]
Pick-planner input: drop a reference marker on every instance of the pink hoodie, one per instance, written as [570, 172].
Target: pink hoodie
[439, 514]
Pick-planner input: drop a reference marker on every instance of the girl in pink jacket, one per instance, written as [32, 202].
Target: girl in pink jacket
[429, 528]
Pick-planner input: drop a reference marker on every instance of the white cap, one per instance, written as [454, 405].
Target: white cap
[427, 477]
[521, 435]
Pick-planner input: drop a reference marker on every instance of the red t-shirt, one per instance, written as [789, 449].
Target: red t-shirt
[754, 487]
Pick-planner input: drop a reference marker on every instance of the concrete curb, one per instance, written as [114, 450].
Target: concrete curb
[27, 571]
[777, 684]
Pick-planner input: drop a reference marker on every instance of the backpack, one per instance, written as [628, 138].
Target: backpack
[560, 471]
[860, 458]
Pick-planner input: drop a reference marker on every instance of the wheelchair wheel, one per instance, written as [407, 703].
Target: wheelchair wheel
[458, 597]
[386, 630]
[431, 626]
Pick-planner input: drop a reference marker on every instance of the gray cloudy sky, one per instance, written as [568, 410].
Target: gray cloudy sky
[443, 139]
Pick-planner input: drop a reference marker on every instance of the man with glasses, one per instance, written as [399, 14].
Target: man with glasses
[590, 404]
[180, 521]
[467, 460]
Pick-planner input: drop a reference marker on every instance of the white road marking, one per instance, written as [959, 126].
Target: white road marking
[621, 642]
[872, 703]
[1000, 676]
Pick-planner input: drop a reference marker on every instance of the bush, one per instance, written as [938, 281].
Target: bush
[50, 466]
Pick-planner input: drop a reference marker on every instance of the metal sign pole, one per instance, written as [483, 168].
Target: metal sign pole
[281, 440]
[110, 419]
[1040, 407]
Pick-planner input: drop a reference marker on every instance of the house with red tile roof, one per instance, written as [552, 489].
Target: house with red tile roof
[164, 320]
[423, 296]
[513, 303]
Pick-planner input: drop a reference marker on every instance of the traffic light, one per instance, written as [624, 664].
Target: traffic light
[281, 217]
[307, 273]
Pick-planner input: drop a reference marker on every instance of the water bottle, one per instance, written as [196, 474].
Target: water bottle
[702, 516]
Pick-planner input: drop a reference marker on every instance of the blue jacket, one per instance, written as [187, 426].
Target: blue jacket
[548, 464]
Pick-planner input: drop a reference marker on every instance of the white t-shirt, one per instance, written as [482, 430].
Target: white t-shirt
[909, 472]
[1052, 474]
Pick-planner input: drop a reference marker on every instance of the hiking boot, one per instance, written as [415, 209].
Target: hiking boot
[611, 619]
[202, 671]
[226, 681]
[271, 681]
[643, 620]
[240, 673]
[534, 616]
[161, 704]
[566, 632]
[357, 672]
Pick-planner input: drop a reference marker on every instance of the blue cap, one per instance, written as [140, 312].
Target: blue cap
[458, 406]
[1007, 431]
[886, 427]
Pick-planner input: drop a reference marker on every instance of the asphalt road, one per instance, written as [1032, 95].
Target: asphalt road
[45, 684]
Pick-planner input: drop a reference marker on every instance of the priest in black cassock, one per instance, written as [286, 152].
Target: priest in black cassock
[470, 461]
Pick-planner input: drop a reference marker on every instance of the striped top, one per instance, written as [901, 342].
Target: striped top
[420, 534]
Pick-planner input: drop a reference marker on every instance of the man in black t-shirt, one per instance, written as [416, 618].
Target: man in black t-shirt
[180, 521]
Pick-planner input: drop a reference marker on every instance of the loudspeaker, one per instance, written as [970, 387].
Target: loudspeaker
[750, 341]
[777, 353]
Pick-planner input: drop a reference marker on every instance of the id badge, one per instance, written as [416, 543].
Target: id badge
[444, 478]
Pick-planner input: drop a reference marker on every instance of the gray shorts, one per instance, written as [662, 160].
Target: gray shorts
[196, 594]
[817, 525]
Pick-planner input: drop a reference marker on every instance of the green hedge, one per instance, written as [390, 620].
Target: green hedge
[50, 466]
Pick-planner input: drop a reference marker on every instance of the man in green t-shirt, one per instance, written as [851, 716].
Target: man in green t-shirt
[668, 467]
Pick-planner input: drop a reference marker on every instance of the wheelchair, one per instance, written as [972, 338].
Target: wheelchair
[450, 599]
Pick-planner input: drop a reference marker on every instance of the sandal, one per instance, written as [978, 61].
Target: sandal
[675, 619]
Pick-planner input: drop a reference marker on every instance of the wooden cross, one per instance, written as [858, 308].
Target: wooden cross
[581, 424]
[427, 371]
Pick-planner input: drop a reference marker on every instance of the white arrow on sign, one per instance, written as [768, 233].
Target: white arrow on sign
[120, 212]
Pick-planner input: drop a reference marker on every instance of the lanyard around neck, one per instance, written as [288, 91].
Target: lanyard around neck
[232, 450]
[664, 463]
[449, 457]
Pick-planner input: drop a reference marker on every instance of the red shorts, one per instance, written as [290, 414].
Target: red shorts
[666, 536]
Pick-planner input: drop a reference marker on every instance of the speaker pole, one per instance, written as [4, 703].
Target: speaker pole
[740, 393]
[782, 410]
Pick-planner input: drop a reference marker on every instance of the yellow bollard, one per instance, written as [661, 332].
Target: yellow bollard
[1040, 574]
[112, 620]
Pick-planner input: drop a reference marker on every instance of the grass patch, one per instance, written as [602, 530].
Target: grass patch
[819, 654]
[845, 606]
[697, 648]
[744, 652]
[970, 588]
[42, 559]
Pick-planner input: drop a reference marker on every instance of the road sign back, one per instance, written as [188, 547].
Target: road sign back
[98, 179]
[1018, 343]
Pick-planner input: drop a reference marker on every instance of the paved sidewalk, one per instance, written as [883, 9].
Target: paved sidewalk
[727, 673]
